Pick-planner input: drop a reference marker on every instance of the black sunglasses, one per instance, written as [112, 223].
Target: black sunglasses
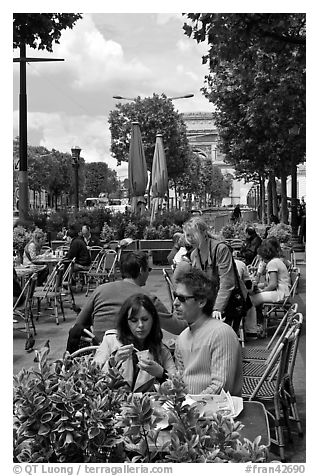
[182, 298]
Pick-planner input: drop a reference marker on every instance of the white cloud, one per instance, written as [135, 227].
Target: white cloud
[89, 59]
[184, 46]
[62, 132]
[163, 18]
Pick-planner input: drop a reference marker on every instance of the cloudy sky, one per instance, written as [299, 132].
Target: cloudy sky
[106, 54]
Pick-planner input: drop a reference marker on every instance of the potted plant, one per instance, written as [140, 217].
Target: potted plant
[21, 237]
[191, 439]
[72, 411]
[282, 232]
[66, 412]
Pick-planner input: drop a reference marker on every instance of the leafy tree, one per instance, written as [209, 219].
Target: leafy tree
[205, 180]
[40, 30]
[99, 179]
[154, 114]
[257, 82]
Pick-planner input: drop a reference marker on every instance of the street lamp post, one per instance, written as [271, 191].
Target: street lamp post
[76, 162]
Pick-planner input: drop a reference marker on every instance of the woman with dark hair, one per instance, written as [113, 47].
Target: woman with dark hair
[277, 284]
[252, 242]
[136, 345]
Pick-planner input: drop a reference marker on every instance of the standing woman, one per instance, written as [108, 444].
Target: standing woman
[136, 345]
[277, 284]
[215, 259]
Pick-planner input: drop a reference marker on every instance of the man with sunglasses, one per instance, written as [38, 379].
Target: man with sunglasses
[101, 308]
[207, 351]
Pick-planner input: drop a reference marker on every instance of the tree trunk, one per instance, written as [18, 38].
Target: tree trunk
[294, 201]
[283, 204]
[274, 197]
[269, 198]
[262, 199]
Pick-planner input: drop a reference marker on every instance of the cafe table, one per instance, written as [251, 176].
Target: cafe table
[49, 260]
[25, 271]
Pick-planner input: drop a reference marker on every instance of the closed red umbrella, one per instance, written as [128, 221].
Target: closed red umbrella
[137, 170]
[159, 176]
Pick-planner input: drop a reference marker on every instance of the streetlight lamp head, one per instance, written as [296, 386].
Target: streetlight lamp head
[76, 150]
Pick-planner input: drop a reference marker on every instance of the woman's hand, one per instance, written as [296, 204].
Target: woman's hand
[217, 315]
[151, 367]
[124, 353]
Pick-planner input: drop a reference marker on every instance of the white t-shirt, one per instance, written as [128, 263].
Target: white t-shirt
[283, 278]
[179, 255]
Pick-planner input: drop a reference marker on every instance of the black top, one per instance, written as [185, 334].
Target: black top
[79, 251]
[93, 241]
[250, 247]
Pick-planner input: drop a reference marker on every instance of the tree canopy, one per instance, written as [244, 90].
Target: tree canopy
[99, 178]
[53, 171]
[257, 82]
[40, 30]
[154, 114]
[203, 179]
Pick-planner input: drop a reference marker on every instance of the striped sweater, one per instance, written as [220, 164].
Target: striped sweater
[209, 355]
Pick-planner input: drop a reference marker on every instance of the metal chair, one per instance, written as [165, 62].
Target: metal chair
[255, 368]
[67, 283]
[52, 291]
[90, 350]
[270, 310]
[94, 251]
[253, 266]
[24, 313]
[263, 352]
[102, 270]
[273, 388]
[170, 287]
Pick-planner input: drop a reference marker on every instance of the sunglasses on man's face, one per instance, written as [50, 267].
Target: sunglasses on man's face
[182, 298]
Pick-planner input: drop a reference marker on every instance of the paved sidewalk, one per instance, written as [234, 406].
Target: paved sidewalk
[47, 329]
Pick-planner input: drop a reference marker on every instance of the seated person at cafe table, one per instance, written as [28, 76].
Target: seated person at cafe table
[136, 346]
[277, 283]
[88, 238]
[103, 305]
[32, 251]
[78, 250]
[207, 352]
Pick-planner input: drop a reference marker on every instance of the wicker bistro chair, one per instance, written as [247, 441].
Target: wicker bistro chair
[51, 291]
[24, 313]
[67, 283]
[103, 270]
[272, 310]
[90, 350]
[273, 388]
[94, 251]
[256, 368]
[253, 266]
[83, 274]
[170, 287]
[262, 352]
